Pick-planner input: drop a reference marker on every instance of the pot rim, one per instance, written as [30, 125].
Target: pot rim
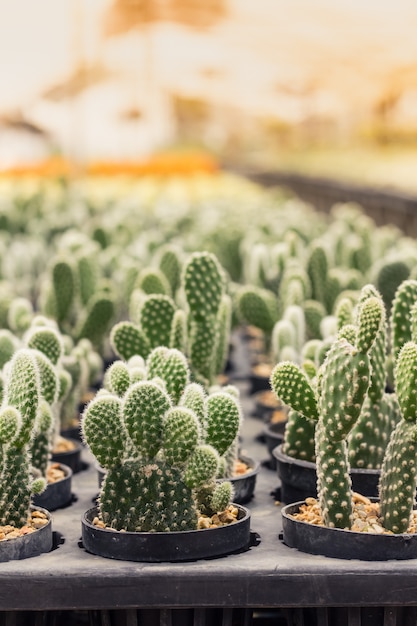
[245, 515]
[385, 536]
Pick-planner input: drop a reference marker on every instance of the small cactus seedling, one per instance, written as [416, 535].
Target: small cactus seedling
[161, 440]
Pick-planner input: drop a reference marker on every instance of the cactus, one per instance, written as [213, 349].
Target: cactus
[127, 339]
[335, 402]
[18, 415]
[96, 319]
[259, 308]
[178, 334]
[156, 317]
[161, 455]
[317, 269]
[154, 328]
[201, 330]
[314, 313]
[8, 346]
[400, 320]
[389, 277]
[20, 315]
[399, 470]
[170, 264]
[153, 281]
[63, 294]
[370, 435]
[208, 315]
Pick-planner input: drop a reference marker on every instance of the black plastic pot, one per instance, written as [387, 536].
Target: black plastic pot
[299, 481]
[273, 435]
[265, 404]
[71, 458]
[258, 382]
[57, 494]
[171, 546]
[72, 433]
[298, 478]
[244, 485]
[344, 544]
[26, 546]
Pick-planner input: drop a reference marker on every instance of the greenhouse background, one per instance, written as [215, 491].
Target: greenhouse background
[323, 87]
[208, 313]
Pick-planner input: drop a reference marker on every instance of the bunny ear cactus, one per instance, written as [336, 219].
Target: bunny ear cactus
[41, 444]
[8, 346]
[203, 282]
[170, 265]
[127, 340]
[17, 420]
[178, 334]
[399, 470]
[117, 378]
[47, 340]
[224, 324]
[370, 434]
[88, 275]
[400, 319]
[317, 269]
[96, 319]
[153, 281]
[61, 301]
[154, 328]
[156, 316]
[171, 366]
[160, 467]
[20, 315]
[342, 383]
[259, 307]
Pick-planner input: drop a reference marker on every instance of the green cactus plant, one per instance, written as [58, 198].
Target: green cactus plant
[208, 315]
[398, 479]
[161, 442]
[77, 296]
[335, 403]
[18, 416]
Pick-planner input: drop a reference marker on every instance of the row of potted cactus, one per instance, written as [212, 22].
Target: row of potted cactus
[355, 423]
[117, 289]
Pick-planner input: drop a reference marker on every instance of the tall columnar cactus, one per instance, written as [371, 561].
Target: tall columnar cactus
[162, 456]
[336, 402]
